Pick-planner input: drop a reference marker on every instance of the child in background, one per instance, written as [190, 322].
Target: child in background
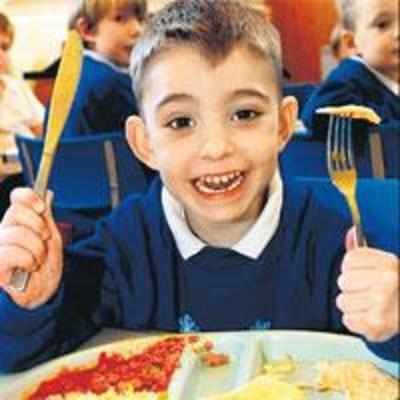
[371, 78]
[218, 242]
[20, 111]
[104, 99]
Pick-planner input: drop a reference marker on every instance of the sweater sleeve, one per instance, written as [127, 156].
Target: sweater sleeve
[333, 92]
[85, 302]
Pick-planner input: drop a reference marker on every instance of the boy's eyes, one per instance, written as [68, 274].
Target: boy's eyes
[382, 23]
[181, 123]
[121, 17]
[245, 115]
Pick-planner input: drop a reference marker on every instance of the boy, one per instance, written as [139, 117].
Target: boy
[371, 78]
[109, 29]
[218, 243]
[20, 111]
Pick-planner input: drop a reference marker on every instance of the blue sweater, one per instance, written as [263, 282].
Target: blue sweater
[351, 82]
[130, 275]
[103, 101]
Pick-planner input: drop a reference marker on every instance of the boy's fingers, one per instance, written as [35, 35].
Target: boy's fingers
[363, 258]
[351, 303]
[19, 214]
[25, 239]
[28, 197]
[372, 326]
[20, 258]
[356, 280]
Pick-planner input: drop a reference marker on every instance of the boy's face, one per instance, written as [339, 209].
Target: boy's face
[213, 131]
[114, 36]
[5, 44]
[377, 36]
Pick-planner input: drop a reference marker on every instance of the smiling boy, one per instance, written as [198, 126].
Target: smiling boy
[218, 243]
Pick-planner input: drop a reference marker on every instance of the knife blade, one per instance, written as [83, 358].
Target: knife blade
[65, 86]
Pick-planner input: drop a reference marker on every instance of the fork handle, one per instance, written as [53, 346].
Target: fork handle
[360, 238]
[19, 277]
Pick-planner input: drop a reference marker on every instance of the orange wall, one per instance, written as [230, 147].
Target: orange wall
[305, 26]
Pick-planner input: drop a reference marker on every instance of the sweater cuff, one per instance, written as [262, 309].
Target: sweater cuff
[16, 320]
[388, 350]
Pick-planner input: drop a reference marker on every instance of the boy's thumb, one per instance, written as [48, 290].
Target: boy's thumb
[351, 239]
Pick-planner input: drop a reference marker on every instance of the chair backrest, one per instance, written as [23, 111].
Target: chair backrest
[88, 173]
[379, 203]
[303, 157]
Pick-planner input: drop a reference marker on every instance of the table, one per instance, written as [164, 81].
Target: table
[103, 337]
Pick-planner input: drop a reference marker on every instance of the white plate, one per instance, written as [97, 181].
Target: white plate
[246, 350]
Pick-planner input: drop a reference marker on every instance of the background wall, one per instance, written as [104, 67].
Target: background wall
[305, 27]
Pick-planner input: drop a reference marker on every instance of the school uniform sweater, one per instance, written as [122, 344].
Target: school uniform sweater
[103, 101]
[351, 82]
[131, 275]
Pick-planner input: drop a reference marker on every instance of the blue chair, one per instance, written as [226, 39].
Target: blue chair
[379, 203]
[90, 175]
[306, 155]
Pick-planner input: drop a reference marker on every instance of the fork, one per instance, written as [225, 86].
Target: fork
[341, 167]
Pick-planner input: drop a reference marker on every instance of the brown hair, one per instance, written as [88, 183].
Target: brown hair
[94, 10]
[7, 27]
[213, 27]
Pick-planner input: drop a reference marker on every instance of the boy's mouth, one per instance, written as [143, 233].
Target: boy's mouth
[219, 183]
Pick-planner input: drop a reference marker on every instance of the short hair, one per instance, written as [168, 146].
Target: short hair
[7, 27]
[213, 27]
[94, 10]
[348, 14]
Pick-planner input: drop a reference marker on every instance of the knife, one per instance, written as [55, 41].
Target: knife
[65, 86]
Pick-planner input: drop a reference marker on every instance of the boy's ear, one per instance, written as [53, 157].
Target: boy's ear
[139, 141]
[86, 31]
[348, 43]
[287, 120]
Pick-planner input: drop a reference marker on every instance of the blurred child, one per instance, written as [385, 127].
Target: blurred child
[370, 78]
[218, 243]
[109, 29]
[20, 111]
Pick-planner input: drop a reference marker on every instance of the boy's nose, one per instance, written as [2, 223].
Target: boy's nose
[216, 145]
[135, 27]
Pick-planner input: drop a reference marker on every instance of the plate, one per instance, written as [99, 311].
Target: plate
[247, 350]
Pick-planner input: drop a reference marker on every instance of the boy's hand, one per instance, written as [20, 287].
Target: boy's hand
[30, 240]
[370, 291]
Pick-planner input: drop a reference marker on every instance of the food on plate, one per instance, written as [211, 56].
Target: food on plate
[263, 388]
[172, 367]
[352, 111]
[143, 373]
[116, 375]
[359, 380]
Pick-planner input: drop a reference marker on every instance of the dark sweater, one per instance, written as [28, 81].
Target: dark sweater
[351, 82]
[103, 101]
[130, 275]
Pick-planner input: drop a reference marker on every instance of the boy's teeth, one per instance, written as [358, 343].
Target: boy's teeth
[219, 183]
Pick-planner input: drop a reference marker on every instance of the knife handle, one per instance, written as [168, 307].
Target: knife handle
[19, 277]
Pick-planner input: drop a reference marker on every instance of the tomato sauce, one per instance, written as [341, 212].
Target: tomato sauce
[149, 371]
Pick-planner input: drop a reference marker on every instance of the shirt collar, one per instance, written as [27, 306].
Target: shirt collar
[252, 243]
[392, 85]
[98, 57]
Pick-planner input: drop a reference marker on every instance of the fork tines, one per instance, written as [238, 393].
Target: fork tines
[341, 166]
